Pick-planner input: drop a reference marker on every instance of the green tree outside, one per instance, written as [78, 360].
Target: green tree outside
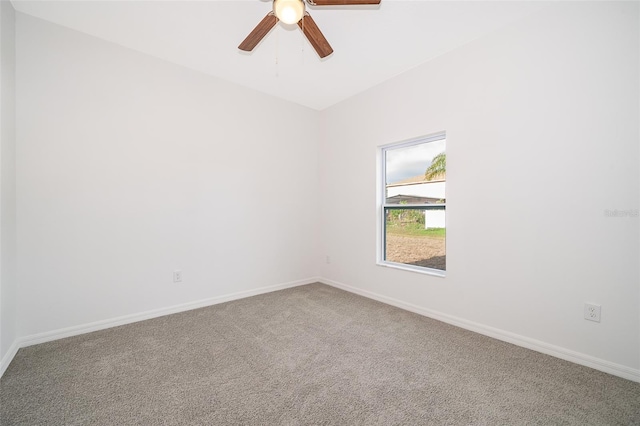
[438, 167]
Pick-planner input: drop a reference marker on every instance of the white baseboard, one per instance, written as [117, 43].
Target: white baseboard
[48, 336]
[536, 345]
[6, 360]
[516, 339]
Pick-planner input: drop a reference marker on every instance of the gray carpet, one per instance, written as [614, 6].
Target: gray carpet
[307, 355]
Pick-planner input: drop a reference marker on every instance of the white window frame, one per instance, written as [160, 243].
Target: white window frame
[382, 206]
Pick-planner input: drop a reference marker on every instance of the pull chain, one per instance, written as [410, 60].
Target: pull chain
[277, 51]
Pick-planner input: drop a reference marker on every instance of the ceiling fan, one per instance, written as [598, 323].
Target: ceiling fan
[292, 12]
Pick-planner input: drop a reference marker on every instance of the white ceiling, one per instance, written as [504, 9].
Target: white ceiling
[371, 43]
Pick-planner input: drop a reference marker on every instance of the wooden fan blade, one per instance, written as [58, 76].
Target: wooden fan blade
[315, 36]
[258, 33]
[342, 2]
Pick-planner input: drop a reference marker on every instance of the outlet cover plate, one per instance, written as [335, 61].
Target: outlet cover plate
[592, 312]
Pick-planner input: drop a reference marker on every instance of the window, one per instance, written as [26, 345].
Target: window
[412, 228]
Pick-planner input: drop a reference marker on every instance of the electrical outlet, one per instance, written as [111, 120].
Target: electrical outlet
[592, 312]
[328, 260]
[177, 276]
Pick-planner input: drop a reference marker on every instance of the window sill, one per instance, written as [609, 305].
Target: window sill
[410, 268]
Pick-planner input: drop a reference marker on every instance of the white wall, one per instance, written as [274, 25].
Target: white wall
[8, 285]
[545, 113]
[123, 168]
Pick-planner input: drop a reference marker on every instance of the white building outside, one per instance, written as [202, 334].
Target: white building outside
[418, 191]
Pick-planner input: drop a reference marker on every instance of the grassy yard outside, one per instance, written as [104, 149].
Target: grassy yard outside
[408, 242]
[415, 230]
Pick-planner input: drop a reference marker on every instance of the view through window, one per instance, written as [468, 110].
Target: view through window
[414, 229]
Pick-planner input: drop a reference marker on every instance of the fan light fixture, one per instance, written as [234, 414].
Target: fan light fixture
[288, 11]
[292, 12]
